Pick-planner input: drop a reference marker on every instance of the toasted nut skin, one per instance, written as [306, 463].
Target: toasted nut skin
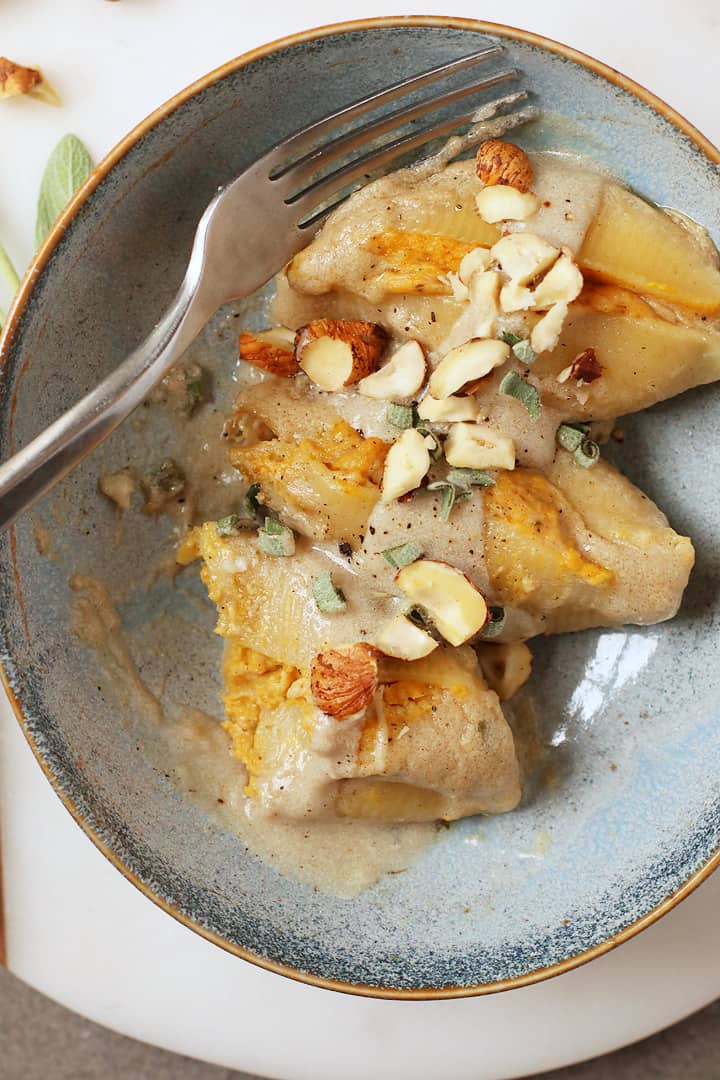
[499, 162]
[265, 351]
[586, 367]
[15, 79]
[343, 680]
[367, 343]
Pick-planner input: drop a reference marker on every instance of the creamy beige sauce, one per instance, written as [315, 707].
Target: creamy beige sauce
[569, 190]
[339, 269]
[342, 856]
[96, 622]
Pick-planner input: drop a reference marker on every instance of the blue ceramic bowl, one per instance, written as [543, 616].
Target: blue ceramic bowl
[630, 717]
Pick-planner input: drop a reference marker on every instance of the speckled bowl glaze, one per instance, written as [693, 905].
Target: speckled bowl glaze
[630, 718]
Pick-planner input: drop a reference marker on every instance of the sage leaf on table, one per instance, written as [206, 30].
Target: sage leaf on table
[68, 167]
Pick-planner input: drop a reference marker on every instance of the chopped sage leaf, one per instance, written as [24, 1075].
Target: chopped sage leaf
[514, 386]
[447, 498]
[279, 546]
[437, 451]
[524, 351]
[496, 622]
[194, 388]
[520, 346]
[276, 539]
[470, 478]
[400, 416]
[510, 338]
[168, 477]
[403, 555]
[570, 436]
[251, 503]
[274, 527]
[574, 438]
[587, 453]
[228, 526]
[162, 484]
[328, 597]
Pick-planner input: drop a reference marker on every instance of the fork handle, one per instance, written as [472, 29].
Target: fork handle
[27, 475]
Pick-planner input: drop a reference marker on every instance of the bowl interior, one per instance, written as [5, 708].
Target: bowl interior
[627, 720]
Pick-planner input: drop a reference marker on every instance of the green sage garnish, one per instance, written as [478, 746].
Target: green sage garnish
[496, 622]
[274, 538]
[520, 346]
[162, 484]
[470, 478]
[68, 167]
[403, 555]
[510, 339]
[194, 388]
[251, 503]
[570, 436]
[524, 351]
[514, 386]
[575, 438]
[328, 597]
[437, 451]
[168, 477]
[228, 526]
[587, 453]
[449, 496]
[400, 416]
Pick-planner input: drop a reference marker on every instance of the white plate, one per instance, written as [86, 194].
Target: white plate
[76, 929]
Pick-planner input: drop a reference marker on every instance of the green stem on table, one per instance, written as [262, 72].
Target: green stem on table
[10, 274]
[7, 270]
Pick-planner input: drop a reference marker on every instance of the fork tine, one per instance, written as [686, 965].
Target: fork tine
[325, 154]
[306, 200]
[301, 143]
[499, 127]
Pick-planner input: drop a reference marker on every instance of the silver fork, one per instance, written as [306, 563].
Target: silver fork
[271, 210]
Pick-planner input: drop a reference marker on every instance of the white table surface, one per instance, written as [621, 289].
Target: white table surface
[76, 929]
